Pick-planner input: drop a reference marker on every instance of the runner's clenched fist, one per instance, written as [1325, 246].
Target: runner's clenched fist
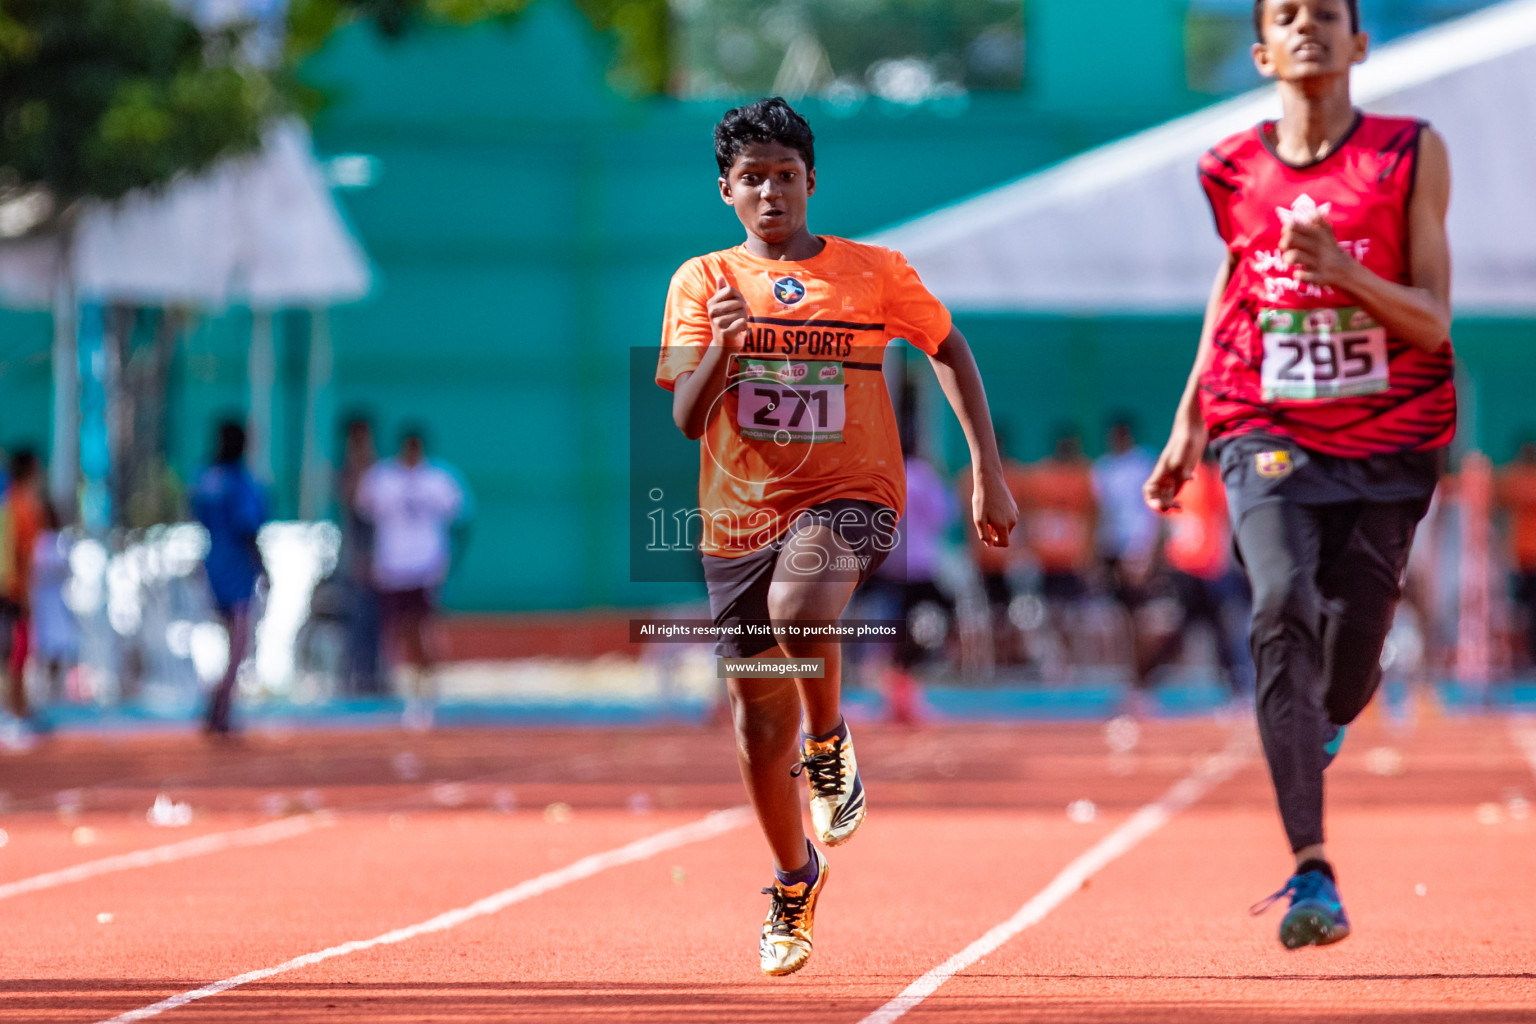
[727, 312]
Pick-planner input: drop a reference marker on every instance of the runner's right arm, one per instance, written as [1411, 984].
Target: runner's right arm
[697, 390]
[1186, 442]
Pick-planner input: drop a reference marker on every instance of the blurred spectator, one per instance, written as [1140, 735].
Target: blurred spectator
[1128, 529]
[355, 565]
[1203, 579]
[911, 572]
[997, 565]
[1516, 492]
[230, 505]
[55, 633]
[413, 504]
[23, 522]
[1058, 514]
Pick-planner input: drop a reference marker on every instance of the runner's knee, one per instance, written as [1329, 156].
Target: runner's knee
[1284, 604]
[800, 602]
[1355, 638]
[762, 738]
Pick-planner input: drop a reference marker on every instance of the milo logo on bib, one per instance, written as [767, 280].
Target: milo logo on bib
[1322, 354]
[790, 400]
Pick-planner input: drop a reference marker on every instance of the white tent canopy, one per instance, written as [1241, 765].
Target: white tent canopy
[261, 230]
[1126, 227]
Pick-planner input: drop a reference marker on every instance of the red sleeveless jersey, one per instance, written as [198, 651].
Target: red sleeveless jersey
[1305, 361]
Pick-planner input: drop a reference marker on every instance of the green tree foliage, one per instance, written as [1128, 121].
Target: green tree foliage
[639, 29]
[732, 48]
[98, 97]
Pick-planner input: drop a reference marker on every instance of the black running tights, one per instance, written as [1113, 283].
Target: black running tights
[1326, 581]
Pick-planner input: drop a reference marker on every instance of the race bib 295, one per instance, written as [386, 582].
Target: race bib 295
[1320, 354]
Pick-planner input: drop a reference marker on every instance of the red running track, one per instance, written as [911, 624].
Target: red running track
[1435, 848]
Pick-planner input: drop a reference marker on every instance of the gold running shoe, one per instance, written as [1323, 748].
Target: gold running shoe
[837, 792]
[786, 943]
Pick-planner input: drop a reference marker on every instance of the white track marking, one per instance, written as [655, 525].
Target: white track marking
[1524, 729]
[715, 824]
[257, 835]
[215, 842]
[1212, 771]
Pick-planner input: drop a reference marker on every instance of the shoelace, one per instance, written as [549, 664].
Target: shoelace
[825, 771]
[1300, 887]
[786, 909]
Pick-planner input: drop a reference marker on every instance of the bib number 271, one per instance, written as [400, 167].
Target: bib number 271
[789, 402]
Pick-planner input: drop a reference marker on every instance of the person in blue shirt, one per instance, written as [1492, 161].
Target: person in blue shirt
[230, 504]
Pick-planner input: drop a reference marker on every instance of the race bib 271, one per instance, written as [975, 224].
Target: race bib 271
[789, 400]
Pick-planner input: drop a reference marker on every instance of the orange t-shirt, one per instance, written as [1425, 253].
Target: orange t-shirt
[1199, 535]
[26, 514]
[1058, 511]
[990, 560]
[807, 417]
[1517, 492]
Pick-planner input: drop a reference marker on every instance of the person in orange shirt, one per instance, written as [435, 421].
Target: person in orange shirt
[1516, 491]
[1060, 516]
[24, 515]
[1201, 574]
[773, 353]
[1060, 511]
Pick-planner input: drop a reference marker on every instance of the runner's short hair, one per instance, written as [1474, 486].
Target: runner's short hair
[413, 430]
[24, 464]
[229, 442]
[1258, 16]
[769, 120]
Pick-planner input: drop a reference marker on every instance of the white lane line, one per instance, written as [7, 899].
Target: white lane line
[1212, 771]
[257, 835]
[1524, 729]
[715, 824]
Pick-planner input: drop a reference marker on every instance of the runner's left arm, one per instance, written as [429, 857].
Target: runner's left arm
[1418, 312]
[992, 508]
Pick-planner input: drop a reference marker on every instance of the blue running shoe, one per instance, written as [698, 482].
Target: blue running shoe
[1316, 916]
[1333, 739]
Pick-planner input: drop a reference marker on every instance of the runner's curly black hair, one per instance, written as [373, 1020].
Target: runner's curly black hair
[769, 120]
[1258, 16]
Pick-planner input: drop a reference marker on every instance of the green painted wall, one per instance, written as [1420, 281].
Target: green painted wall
[26, 375]
[524, 223]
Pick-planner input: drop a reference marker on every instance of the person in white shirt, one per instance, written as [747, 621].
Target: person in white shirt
[413, 504]
[1127, 528]
[1127, 541]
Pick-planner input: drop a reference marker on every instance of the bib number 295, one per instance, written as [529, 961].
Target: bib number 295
[1321, 354]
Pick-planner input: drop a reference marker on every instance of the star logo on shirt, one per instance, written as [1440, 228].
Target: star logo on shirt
[1304, 210]
[788, 290]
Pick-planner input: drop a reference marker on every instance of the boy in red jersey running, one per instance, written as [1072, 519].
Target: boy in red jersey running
[773, 351]
[1324, 377]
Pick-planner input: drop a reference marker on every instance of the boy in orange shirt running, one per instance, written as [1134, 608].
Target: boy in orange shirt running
[773, 352]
